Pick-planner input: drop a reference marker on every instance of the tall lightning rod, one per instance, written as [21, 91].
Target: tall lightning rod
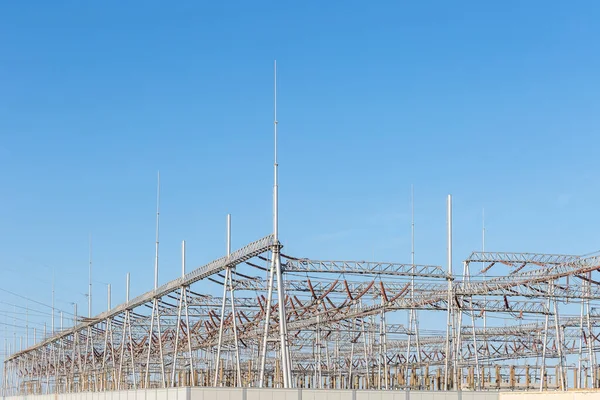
[275, 165]
[90, 280]
[412, 225]
[157, 229]
[483, 229]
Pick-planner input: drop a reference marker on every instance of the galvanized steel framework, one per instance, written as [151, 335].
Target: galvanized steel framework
[341, 325]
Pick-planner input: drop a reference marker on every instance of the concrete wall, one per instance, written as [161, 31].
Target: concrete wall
[570, 395]
[197, 393]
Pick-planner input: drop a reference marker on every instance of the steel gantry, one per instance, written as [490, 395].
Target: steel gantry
[342, 328]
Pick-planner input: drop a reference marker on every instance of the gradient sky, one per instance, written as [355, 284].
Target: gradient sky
[494, 102]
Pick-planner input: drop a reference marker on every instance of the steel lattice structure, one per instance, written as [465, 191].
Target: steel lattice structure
[339, 328]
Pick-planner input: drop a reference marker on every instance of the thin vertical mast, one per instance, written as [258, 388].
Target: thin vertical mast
[448, 355]
[182, 258]
[53, 311]
[26, 323]
[484, 275]
[483, 230]
[157, 229]
[412, 225]
[411, 312]
[275, 165]
[285, 355]
[90, 280]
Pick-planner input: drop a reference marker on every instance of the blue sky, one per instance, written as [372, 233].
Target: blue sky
[494, 102]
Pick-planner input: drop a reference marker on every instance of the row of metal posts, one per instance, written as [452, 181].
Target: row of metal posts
[453, 332]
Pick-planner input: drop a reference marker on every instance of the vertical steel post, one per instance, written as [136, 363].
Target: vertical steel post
[90, 280]
[178, 327]
[545, 344]
[592, 361]
[160, 346]
[276, 261]
[189, 340]
[559, 343]
[183, 259]
[221, 325]
[157, 230]
[53, 311]
[231, 293]
[449, 300]
[263, 358]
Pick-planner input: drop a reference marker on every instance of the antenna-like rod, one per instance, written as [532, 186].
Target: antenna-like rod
[53, 310]
[412, 224]
[449, 308]
[182, 258]
[90, 280]
[449, 237]
[275, 165]
[157, 229]
[228, 234]
[483, 230]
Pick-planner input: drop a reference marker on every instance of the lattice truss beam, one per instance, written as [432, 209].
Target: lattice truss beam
[344, 329]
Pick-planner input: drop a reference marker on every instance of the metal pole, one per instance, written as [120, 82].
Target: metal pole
[221, 323]
[365, 346]
[150, 335]
[449, 311]
[235, 335]
[157, 230]
[263, 358]
[384, 346]
[53, 312]
[90, 280]
[477, 367]
[581, 340]
[234, 316]
[228, 235]
[282, 321]
[559, 342]
[189, 339]
[545, 344]
[160, 345]
[177, 336]
[27, 323]
[285, 362]
[183, 258]
[318, 343]
[350, 386]
[592, 362]
[485, 341]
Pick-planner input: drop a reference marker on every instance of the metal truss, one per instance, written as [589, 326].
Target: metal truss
[340, 326]
[363, 268]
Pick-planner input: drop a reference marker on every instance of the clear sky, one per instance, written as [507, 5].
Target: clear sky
[494, 102]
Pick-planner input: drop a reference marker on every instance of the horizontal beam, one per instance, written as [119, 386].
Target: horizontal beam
[243, 254]
[363, 268]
